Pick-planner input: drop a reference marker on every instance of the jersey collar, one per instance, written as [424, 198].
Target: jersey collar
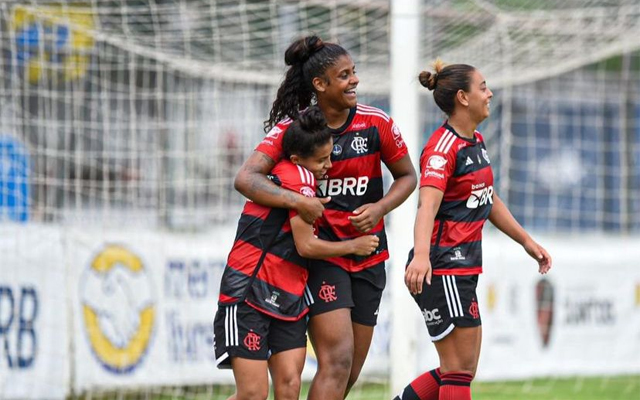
[450, 128]
[338, 131]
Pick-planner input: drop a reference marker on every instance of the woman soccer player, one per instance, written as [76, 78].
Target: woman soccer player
[259, 323]
[345, 292]
[456, 198]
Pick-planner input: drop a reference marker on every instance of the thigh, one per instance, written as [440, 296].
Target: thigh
[460, 350]
[367, 287]
[240, 331]
[331, 335]
[252, 380]
[328, 289]
[286, 366]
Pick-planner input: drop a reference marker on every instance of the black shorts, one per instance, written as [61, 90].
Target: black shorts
[448, 302]
[242, 331]
[330, 288]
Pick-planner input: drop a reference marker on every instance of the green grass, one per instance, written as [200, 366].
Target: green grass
[606, 388]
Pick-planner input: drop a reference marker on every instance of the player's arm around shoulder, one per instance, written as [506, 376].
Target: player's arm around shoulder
[252, 182]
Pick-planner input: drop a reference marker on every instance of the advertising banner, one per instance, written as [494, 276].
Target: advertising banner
[583, 318]
[144, 306]
[34, 335]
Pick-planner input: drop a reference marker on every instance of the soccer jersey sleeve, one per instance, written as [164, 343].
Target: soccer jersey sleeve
[392, 146]
[295, 178]
[437, 162]
[271, 145]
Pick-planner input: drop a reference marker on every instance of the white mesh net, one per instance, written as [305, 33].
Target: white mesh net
[135, 115]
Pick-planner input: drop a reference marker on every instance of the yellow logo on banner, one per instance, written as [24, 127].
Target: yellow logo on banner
[491, 297]
[52, 40]
[637, 294]
[118, 307]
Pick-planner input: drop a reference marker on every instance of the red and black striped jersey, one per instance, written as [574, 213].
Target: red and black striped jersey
[367, 138]
[263, 268]
[461, 168]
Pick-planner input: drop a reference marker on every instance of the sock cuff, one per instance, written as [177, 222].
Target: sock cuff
[456, 378]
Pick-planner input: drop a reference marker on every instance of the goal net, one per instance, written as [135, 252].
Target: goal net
[124, 122]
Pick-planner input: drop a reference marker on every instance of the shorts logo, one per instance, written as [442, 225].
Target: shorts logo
[359, 144]
[252, 341]
[327, 293]
[473, 309]
[118, 307]
[431, 315]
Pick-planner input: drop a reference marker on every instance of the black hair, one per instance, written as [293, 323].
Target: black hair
[307, 58]
[306, 134]
[445, 83]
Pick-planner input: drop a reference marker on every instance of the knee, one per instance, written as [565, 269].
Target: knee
[252, 393]
[289, 386]
[337, 359]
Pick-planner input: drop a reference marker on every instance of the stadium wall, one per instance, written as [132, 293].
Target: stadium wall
[123, 309]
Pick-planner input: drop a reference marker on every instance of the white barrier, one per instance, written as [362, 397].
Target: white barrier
[583, 318]
[142, 304]
[34, 335]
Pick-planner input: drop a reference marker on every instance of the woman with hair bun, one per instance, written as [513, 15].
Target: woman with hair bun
[344, 292]
[260, 323]
[456, 198]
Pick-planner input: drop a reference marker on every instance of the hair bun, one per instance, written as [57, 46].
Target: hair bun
[428, 79]
[302, 49]
[312, 119]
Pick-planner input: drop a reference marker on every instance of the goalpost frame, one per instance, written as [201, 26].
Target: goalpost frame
[405, 35]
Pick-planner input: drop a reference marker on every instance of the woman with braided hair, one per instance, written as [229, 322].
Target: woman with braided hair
[260, 323]
[343, 292]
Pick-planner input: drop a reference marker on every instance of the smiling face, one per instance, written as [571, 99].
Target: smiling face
[319, 162]
[337, 88]
[479, 97]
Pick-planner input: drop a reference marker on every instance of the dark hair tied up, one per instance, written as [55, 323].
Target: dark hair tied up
[306, 133]
[298, 55]
[445, 82]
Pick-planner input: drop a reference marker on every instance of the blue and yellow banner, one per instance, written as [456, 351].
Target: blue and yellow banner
[52, 41]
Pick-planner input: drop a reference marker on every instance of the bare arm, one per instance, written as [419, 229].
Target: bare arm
[502, 219]
[253, 183]
[309, 246]
[367, 216]
[419, 269]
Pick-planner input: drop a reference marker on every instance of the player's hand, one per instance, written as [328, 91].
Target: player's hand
[365, 245]
[539, 254]
[418, 272]
[311, 208]
[366, 217]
